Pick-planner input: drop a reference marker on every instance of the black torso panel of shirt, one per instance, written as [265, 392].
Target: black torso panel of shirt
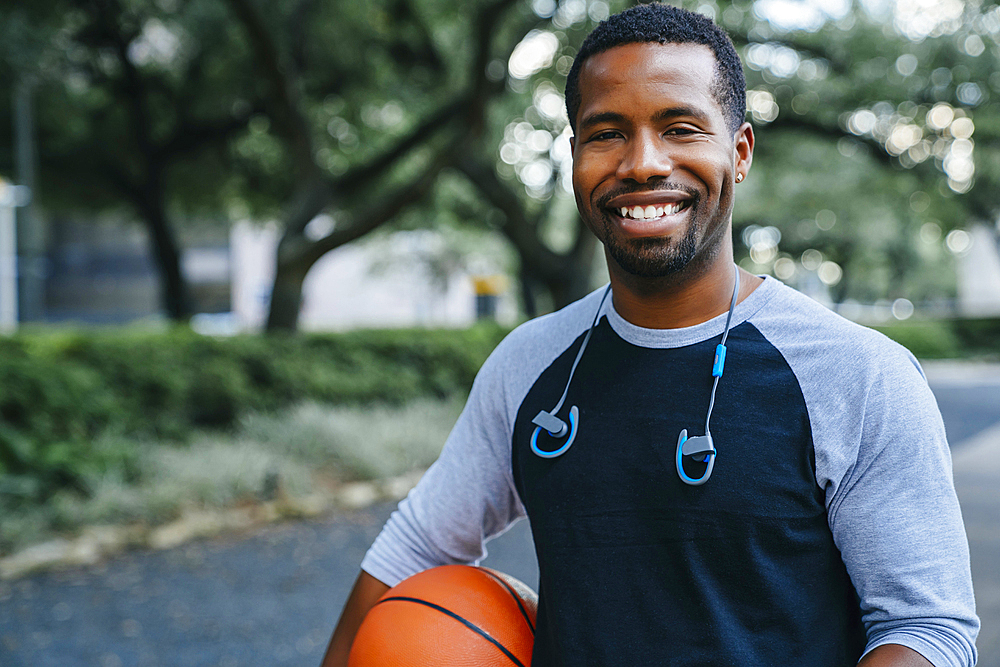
[638, 568]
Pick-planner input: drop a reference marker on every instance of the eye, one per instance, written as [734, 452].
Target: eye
[680, 131]
[605, 135]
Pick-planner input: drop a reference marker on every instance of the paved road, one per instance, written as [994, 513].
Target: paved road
[271, 598]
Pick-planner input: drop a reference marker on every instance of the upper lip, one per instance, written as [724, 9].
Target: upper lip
[648, 198]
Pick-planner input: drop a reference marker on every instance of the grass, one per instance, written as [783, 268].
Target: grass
[295, 453]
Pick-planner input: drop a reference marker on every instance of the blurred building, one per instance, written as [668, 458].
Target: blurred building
[979, 274]
[382, 281]
[102, 272]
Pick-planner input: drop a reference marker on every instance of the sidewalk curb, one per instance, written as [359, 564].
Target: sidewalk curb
[98, 542]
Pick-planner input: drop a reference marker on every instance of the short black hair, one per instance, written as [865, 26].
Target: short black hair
[666, 24]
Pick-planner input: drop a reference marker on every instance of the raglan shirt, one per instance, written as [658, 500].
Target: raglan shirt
[829, 526]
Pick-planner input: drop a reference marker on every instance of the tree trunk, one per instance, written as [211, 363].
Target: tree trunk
[286, 297]
[175, 296]
[573, 281]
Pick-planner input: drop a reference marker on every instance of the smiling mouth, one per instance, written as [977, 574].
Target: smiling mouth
[652, 212]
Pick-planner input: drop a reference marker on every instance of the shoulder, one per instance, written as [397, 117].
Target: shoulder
[822, 346]
[528, 350]
[539, 341]
[864, 393]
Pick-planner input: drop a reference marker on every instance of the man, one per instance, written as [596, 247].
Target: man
[814, 523]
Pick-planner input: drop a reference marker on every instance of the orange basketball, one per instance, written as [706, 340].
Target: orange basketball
[454, 615]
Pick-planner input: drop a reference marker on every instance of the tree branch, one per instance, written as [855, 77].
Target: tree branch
[471, 104]
[485, 27]
[355, 178]
[284, 97]
[521, 230]
[406, 195]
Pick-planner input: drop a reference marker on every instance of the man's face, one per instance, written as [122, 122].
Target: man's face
[654, 162]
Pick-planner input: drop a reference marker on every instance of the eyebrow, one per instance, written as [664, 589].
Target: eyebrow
[680, 112]
[602, 117]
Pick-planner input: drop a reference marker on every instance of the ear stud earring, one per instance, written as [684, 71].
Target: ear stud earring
[739, 178]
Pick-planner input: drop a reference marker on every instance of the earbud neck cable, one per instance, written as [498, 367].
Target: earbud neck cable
[554, 426]
[701, 448]
[698, 448]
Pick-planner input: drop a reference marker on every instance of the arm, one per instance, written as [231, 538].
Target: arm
[893, 655]
[366, 592]
[896, 519]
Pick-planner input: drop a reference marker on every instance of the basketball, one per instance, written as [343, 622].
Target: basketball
[455, 615]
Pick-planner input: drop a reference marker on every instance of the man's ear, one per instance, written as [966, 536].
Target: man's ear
[743, 150]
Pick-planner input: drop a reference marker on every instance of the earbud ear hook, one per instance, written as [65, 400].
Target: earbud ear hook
[700, 448]
[574, 421]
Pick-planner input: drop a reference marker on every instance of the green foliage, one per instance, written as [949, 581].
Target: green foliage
[943, 339]
[59, 394]
[980, 334]
[930, 339]
[293, 453]
[48, 413]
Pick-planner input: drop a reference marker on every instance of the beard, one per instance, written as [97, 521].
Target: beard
[652, 257]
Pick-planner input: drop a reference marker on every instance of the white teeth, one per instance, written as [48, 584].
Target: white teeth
[648, 212]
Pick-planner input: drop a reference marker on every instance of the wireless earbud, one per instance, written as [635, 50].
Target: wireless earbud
[699, 448]
[555, 427]
[574, 420]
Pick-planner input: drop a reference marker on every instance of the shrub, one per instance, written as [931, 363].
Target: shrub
[60, 391]
[926, 339]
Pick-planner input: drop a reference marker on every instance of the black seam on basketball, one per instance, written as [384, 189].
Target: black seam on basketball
[517, 599]
[472, 626]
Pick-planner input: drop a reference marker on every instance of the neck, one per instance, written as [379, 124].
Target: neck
[682, 300]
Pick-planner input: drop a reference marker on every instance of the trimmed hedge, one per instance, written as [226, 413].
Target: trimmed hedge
[946, 339]
[60, 391]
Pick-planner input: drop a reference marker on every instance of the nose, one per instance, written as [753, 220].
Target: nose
[645, 158]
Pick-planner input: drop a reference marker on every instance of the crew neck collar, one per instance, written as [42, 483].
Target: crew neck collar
[667, 338]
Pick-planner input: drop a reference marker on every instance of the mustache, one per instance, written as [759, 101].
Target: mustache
[604, 199]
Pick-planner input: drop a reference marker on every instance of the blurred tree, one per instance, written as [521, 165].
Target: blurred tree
[877, 140]
[368, 110]
[137, 101]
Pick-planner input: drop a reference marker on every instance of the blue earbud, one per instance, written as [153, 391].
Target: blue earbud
[699, 448]
[559, 431]
[556, 427]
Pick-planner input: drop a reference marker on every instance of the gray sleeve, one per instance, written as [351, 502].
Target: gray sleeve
[896, 520]
[466, 497]
[883, 462]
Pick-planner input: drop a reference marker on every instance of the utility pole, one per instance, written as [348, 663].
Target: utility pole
[31, 231]
[11, 196]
